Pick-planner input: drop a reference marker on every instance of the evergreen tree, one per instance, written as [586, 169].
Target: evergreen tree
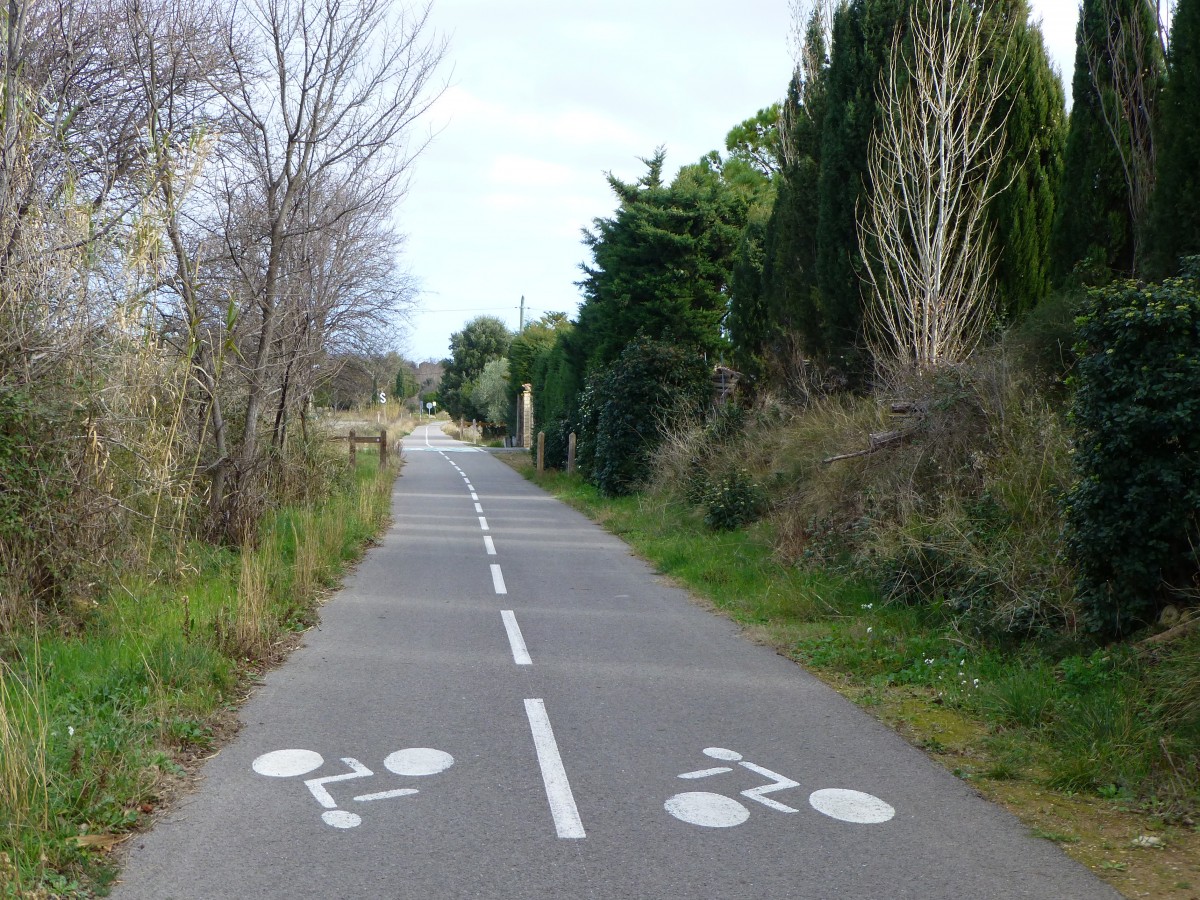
[863, 33]
[1095, 216]
[749, 324]
[1175, 214]
[789, 288]
[482, 340]
[661, 264]
[1035, 136]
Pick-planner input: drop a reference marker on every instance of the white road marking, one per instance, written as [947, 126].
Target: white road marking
[781, 783]
[386, 795]
[706, 773]
[488, 545]
[707, 809]
[340, 818]
[317, 785]
[287, 763]
[474, 496]
[469, 487]
[558, 789]
[851, 806]
[483, 523]
[478, 508]
[516, 640]
[722, 753]
[498, 580]
[418, 761]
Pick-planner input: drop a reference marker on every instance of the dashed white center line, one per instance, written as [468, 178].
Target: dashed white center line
[478, 508]
[516, 640]
[498, 580]
[483, 523]
[474, 496]
[558, 789]
[488, 545]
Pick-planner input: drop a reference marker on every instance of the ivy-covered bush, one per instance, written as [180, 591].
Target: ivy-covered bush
[628, 404]
[1132, 514]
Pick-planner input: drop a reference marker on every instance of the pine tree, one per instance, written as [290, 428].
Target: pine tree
[1035, 136]
[1175, 214]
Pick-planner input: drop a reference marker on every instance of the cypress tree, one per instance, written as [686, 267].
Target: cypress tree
[1175, 213]
[1095, 222]
[789, 258]
[1035, 136]
[863, 32]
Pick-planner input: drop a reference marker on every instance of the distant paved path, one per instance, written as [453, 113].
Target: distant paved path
[504, 703]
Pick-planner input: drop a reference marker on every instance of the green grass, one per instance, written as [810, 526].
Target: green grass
[93, 722]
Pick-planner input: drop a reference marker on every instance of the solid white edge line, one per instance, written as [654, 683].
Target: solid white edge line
[488, 545]
[516, 640]
[558, 789]
[498, 580]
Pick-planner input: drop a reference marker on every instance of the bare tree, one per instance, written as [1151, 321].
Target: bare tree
[1126, 66]
[328, 93]
[933, 162]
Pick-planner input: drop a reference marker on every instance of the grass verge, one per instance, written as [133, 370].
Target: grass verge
[100, 724]
[1060, 735]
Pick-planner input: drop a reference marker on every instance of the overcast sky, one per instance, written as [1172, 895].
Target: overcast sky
[545, 97]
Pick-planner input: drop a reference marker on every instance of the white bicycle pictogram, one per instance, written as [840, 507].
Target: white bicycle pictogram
[413, 762]
[712, 810]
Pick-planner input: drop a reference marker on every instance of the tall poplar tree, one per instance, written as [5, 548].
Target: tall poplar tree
[1175, 213]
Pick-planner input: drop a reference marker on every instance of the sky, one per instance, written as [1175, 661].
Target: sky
[543, 98]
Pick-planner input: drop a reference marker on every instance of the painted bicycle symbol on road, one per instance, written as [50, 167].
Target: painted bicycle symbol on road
[712, 810]
[412, 762]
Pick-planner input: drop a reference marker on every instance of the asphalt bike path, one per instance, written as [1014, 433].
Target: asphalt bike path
[503, 702]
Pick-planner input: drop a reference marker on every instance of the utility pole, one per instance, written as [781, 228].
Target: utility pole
[521, 327]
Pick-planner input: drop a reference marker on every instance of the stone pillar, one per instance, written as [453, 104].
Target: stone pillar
[525, 417]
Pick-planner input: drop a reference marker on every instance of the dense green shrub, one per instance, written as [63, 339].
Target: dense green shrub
[628, 406]
[1132, 513]
[733, 499]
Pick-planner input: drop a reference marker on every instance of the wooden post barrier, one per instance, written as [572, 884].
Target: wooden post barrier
[571, 453]
[354, 440]
[541, 456]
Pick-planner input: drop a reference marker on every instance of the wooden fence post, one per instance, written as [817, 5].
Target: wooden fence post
[541, 456]
[383, 448]
[353, 451]
[571, 453]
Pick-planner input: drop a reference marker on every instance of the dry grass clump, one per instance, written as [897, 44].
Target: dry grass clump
[944, 488]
